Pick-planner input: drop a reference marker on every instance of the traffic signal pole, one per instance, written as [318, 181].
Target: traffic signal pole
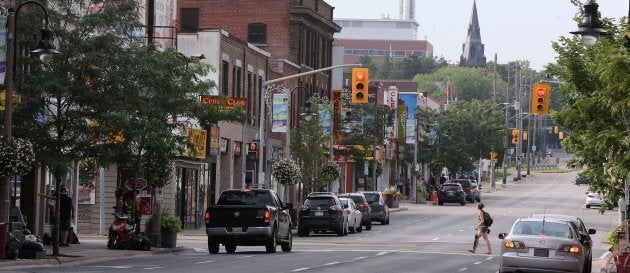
[261, 126]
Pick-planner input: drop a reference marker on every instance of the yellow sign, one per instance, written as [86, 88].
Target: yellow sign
[197, 138]
[16, 99]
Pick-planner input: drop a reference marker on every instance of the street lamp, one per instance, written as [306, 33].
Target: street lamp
[590, 27]
[45, 49]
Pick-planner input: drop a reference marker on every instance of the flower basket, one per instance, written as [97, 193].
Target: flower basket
[392, 196]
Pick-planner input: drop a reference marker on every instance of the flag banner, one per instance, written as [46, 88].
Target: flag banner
[325, 121]
[410, 131]
[280, 113]
[3, 48]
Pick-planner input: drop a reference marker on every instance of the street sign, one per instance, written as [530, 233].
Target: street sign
[533, 148]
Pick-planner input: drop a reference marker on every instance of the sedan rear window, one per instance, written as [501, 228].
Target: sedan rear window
[319, 202]
[371, 197]
[357, 199]
[542, 228]
[450, 188]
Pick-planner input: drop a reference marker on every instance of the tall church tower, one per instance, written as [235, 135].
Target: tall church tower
[473, 55]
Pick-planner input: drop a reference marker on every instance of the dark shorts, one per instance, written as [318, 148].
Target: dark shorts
[65, 225]
[484, 229]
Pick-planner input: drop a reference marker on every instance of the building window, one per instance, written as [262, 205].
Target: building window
[398, 53]
[250, 96]
[419, 53]
[190, 20]
[257, 33]
[225, 80]
[239, 83]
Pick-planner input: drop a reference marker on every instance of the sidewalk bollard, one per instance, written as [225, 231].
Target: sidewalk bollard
[4, 227]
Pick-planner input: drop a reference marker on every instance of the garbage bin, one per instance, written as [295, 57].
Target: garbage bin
[4, 227]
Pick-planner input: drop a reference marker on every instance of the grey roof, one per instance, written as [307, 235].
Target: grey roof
[473, 49]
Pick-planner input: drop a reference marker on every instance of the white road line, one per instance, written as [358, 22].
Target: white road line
[360, 258]
[461, 230]
[333, 263]
[300, 269]
[472, 226]
[248, 256]
[449, 235]
[463, 269]
[435, 239]
[156, 267]
[489, 258]
[204, 262]
[477, 262]
[381, 253]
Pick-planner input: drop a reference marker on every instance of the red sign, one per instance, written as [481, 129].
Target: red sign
[224, 104]
[140, 184]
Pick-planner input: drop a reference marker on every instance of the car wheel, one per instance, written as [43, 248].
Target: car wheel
[368, 226]
[354, 228]
[341, 230]
[213, 247]
[112, 241]
[463, 202]
[387, 220]
[588, 206]
[230, 247]
[287, 246]
[479, 199]
[383, 222]
[588, 265]
[270, 247]
[346, 230]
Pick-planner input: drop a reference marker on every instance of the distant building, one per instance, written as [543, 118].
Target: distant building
[473, 49]
[396, 49]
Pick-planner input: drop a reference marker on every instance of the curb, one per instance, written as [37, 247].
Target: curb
[78, 260]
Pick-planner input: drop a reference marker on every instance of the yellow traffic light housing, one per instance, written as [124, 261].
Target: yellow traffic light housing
[360, 82]
[540, 98]
[515, 136]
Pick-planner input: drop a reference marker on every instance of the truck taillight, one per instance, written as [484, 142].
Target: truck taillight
[267, 216]
[207, 216]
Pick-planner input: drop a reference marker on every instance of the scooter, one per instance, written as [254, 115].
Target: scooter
[122, 234]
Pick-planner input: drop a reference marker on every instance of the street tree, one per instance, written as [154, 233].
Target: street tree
[468, 83]
[594, 111]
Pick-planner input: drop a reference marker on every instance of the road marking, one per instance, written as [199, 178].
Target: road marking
[360, 258]
[381, 253]
[156, 267]
[333, 263]
[435, 239]
[472, 226]
[449, 235]
[248, 256]
[477, 262]
[115, 266]
[204, 262]
[489, 258]
[461, 230]
[463, 269]
[300, 269]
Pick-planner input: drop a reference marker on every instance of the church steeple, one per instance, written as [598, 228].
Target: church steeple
[473, 49]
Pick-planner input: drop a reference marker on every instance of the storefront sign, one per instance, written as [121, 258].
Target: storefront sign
[224, 104]
[197, 138]
[214, 140]
[237, 148]
[224, 145]
[136, 184]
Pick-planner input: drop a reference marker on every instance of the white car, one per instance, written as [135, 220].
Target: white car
[354, 215]
[594, 199]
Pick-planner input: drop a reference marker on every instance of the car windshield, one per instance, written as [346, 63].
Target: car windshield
[319, 202]
[542, 228]
[465, 183]
[356, 198]
[344, 201]
[371, 197]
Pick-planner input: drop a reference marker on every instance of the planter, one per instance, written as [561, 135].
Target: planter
[169, 239]
[391, 200]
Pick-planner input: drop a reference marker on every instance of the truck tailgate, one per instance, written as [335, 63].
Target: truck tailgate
[237, 216]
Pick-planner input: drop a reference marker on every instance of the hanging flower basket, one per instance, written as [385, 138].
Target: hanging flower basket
[16, 156]
[286, 172]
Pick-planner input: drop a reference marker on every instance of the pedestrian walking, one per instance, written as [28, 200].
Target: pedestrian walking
[482, 228]
[66, 213]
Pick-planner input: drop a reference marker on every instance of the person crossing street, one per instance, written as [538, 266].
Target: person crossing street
[482, 229]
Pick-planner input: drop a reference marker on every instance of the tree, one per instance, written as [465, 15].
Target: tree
[468, 83]
[594, 112]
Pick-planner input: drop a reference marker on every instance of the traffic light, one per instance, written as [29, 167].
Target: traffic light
[540, 98]
[524, 136]
[360, 81]
[515, 136]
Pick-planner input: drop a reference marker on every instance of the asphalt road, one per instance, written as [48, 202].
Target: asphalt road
[424, 238]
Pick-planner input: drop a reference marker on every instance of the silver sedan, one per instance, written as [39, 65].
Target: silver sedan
[542, 245]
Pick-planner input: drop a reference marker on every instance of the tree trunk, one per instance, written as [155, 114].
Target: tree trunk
[57, 215]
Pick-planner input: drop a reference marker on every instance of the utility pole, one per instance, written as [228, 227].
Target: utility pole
[529, 128]
[505, 134]
[519, 121]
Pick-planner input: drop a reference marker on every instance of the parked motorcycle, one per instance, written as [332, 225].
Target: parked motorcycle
[122, 234]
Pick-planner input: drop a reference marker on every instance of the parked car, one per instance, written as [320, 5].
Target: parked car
[476, 191]
[380, 210]
[542, 244]
[322, 212]
[466, 186]
[249, 217]
[354, 215]
[595, 199]
[364, 207]
[451, 193]
[585, 234]
[321, 192]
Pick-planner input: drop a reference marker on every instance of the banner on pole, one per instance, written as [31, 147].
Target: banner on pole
[280, 113]
[325, 118]
[3, 47]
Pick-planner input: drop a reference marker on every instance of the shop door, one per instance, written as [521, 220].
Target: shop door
[188, 207]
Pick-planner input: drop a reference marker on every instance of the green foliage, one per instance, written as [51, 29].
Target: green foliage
[468, 83]
[329, 172]
[170, 223]
[16, 156]
[594, 99]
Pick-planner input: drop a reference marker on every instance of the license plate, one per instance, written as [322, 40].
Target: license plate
[319, 213]
[237, 229]
[450, 194]
[541, 252]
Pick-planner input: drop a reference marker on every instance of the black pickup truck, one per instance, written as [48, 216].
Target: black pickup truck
[249, 217]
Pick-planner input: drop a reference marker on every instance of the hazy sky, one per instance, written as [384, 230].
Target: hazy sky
[513, 29]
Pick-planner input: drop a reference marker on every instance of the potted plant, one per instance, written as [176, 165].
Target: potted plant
[422, 195]
[392, 196]
[170, 225]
